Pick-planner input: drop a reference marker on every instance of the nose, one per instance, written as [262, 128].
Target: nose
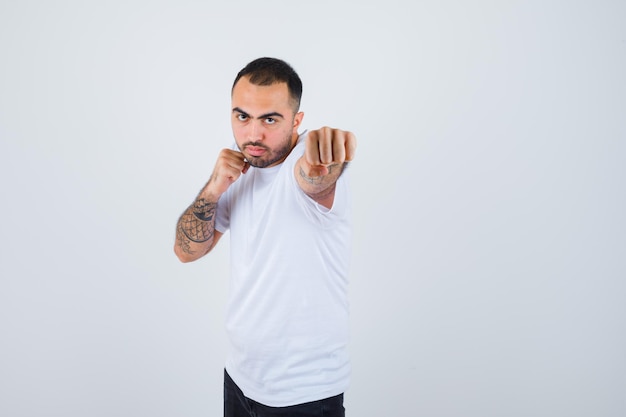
[255, 131]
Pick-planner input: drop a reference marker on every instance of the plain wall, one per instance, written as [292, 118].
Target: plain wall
[489, 197]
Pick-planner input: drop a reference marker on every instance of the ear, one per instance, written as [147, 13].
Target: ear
[297, 120]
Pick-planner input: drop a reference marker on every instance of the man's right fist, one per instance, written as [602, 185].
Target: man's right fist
[229, 166]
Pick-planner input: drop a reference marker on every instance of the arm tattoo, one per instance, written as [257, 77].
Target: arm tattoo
[310, 180]
[197, 224]
[204, 210]
[319, 180]
[181, 239]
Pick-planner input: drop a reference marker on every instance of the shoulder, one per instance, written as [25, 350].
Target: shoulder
[298, 149]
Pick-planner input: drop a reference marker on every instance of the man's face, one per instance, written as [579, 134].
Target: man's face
[263, 121]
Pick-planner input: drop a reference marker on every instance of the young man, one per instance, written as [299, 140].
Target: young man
[284, 198]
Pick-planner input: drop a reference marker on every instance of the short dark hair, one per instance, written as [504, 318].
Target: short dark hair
[268, 71]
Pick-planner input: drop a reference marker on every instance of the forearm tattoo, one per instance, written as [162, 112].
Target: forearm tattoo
[310, 180]
[318, 184]
[197, 224]
[204, 210]
[322, 184]
[332, 169]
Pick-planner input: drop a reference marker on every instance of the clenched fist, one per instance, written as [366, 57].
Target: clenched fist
[229, 166]
[327, 147]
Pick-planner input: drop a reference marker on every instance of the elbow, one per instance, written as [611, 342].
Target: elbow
[184, 259]
[183, 256]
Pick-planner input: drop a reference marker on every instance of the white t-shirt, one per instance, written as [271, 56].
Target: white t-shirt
[287, 317]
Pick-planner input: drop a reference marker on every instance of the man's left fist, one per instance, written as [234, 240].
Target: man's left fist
[326, 146]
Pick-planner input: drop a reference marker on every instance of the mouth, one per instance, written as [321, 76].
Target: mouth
[255, 151]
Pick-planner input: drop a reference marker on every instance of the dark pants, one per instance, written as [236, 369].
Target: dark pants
[237, 405]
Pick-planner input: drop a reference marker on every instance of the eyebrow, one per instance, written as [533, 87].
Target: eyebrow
[263, 116]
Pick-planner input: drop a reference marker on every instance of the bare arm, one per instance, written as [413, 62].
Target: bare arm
[195, 231]
[327, 151]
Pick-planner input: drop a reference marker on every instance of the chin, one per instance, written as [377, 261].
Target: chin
[258, 162]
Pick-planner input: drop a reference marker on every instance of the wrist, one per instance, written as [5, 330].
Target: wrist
[209, 194]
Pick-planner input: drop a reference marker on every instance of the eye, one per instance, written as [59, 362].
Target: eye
[242, 117]
[270, 120]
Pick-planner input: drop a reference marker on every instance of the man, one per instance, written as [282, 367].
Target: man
[284, 198]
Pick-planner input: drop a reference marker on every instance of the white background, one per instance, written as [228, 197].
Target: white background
[489, 261]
